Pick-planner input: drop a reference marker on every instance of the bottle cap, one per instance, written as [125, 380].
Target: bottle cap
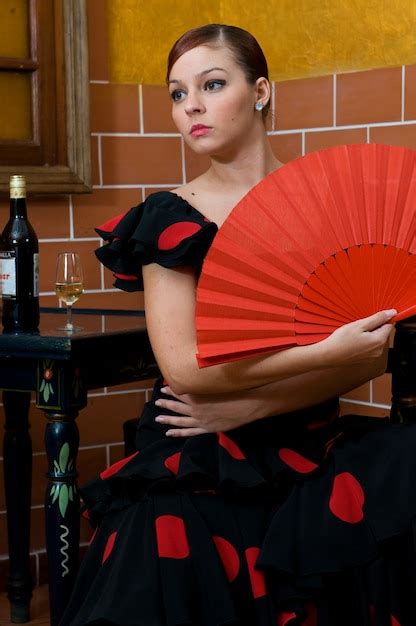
[17, 186]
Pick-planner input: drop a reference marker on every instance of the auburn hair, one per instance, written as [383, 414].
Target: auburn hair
[244, 47]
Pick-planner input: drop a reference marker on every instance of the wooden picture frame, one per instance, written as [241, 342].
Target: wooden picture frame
[71, 170]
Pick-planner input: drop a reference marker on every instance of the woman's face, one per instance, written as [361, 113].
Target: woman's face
[212, 102]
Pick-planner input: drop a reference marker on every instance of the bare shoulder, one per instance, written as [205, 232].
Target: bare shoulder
[211, 202]
[200, 196]
[193, 190]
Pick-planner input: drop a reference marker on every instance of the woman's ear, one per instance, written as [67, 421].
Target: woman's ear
[262, 90]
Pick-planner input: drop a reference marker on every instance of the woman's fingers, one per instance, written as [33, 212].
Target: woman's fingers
[361, 340]
[176, 421]
[169, 392]
[174, 405]
[378, 319]
[382, 332]
[186, 432]
[380, 338]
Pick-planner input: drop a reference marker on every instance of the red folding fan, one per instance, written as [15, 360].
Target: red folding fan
[322, 241]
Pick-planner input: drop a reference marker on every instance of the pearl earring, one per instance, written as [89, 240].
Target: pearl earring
[259, 106]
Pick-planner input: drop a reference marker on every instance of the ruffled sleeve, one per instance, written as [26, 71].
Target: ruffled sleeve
[165, 229]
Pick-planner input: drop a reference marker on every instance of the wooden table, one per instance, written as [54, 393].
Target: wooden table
[60, 368]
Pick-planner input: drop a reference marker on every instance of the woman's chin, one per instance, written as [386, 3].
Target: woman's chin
[198, 144]
[209, 149]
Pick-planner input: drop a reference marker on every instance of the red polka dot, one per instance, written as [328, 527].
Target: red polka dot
[110, 225]
[229, 557]
[347, 498]
[130, 277]
[231, 447]
[172, 462]
[109, 546]
[175, 233]
[257, 578]
[285, 618]
[171, 537]
[116, 467]
[296, 461]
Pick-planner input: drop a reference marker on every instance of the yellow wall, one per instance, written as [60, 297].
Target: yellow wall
[14, 28]
[300, 37]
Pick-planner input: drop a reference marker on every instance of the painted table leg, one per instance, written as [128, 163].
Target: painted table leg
[18, 486]
[62, 510]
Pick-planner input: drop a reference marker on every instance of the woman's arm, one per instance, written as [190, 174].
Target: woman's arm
[218, 413]
[170, 317]
[312, 388]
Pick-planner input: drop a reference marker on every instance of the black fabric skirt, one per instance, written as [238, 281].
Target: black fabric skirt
[305, 519]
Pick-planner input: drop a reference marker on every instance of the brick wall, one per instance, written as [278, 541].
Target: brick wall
[135, 151]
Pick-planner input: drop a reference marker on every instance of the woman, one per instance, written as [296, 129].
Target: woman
[294, 516]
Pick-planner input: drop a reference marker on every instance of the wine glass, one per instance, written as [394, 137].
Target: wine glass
[69, 285]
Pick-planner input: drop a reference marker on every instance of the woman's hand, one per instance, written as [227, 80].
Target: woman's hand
[200, 414]
[361, 341]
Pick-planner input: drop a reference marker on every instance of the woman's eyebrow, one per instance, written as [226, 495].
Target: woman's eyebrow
[211, 69]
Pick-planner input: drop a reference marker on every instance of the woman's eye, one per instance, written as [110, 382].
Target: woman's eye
[213, 85]
[177, 94]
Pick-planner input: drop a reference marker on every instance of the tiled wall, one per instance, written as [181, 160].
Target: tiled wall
[135, 150]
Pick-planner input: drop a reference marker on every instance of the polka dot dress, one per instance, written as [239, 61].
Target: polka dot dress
[306, 519]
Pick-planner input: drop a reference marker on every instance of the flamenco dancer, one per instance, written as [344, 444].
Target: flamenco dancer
[249, 500]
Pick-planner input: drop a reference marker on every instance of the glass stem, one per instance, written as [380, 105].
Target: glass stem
[69, 316]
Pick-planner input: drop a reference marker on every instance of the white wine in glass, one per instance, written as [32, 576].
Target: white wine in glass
[69, 284]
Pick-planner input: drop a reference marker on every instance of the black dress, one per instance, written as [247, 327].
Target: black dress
[306, 518]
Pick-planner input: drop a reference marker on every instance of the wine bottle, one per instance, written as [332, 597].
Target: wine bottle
[19, 265]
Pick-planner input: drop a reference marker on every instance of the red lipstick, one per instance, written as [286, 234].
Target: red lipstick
[198, 130]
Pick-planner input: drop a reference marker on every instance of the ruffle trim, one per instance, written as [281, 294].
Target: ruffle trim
[138, 237]
[235, 462]
[212, 461]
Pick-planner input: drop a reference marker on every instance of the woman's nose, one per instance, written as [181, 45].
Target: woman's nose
[194, 104]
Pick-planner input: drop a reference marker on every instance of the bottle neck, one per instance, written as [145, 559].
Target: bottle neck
[18, 208]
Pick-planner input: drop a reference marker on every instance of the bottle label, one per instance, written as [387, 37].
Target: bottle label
[18, 192]
[8, 273]
[35, 274]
